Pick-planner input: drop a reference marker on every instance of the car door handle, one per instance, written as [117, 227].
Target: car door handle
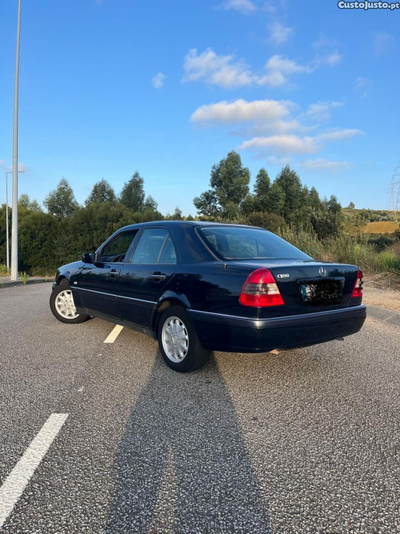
[157, 277]
[112, 274]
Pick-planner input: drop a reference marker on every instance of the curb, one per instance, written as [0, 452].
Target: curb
[19, 283]
[384, 315]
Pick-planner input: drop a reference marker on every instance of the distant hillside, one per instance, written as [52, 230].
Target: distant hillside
[371, 221]
[381, 227]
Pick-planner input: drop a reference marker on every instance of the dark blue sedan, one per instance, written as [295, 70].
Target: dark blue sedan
[198, 287]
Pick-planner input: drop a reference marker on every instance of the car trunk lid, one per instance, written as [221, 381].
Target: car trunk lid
[309, 286]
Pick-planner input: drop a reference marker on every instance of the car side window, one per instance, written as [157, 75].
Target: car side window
[168, 253]
[150, 245]
[117, 249]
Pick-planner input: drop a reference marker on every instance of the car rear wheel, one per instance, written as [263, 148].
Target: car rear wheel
[179, 344]
[62, 305]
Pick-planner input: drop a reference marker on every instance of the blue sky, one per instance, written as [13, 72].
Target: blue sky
[109, 87]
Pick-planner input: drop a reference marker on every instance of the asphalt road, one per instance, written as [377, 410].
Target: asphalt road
[305, 441]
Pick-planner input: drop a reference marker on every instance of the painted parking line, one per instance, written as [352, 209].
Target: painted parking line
[16, 482]
[114, 334]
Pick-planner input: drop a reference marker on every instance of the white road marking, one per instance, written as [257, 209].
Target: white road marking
[16, 482]
[114, 334]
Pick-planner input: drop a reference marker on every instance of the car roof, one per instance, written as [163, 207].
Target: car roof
[186, 223]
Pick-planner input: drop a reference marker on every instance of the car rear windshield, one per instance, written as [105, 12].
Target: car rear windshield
[236, 243]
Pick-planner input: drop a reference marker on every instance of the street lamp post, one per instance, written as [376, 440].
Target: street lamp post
[14, 225]
[7, 231]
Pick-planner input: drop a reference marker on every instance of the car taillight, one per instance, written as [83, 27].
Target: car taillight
[358, 286]
[260, 290]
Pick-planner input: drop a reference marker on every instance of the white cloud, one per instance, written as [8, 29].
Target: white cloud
[361, 85]
[322, 110]
[274, 6]
[215, 70]
[293, 144]
[158, 80]
[325, 165]
[324, 41]
[279, 34]
[241, 111]
[339, 134]
[243, 6]
[381, 42]
[279, 69]
[2, 161]
[274, 128]
[273, 160]
[228, 72]
[264, 116]
[361, 82]
[281, 144]
[333, 59]
[21, 168]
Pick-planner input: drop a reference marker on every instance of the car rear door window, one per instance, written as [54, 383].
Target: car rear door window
[168, 253]
[150, 246]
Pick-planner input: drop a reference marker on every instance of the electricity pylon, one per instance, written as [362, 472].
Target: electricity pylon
[394, 191]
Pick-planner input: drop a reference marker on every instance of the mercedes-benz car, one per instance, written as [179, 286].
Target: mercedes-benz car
[198, 287]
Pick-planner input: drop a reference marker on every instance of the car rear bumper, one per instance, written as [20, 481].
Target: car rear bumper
[241, 334]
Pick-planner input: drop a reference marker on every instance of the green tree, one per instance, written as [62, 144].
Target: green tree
[249, 205]
[290, 184]
[270, 221]
[328, 220]
[275, 200]
[150, 204]
[25, 203]
[61, 202]
[177, 215]
[207, 205]
[315, 201]
[36, 233]
[101, 192]
[132, 194]
[261, 189]
[229, 186]
[352, 206]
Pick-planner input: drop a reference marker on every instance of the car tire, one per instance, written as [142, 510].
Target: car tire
[62, 307]
[179, 344]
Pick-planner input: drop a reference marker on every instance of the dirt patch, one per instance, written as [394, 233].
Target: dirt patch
[382, 281]
[379, 296]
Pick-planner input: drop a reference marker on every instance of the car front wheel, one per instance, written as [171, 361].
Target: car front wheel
[62, 305]
[179, 344]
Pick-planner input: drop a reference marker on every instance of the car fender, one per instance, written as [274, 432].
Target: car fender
[172, 297]
[68, 272]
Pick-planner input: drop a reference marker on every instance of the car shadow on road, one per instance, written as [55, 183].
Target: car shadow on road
[182, 465]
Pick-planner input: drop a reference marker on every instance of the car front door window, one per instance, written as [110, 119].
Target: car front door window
[116, 250]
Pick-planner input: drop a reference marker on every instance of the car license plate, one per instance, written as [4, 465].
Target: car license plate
[328, 291]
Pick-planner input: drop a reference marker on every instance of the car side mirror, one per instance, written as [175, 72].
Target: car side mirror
[88, 257]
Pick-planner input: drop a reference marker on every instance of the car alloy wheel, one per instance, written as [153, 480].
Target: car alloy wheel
[175, 339]
[65, 305]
